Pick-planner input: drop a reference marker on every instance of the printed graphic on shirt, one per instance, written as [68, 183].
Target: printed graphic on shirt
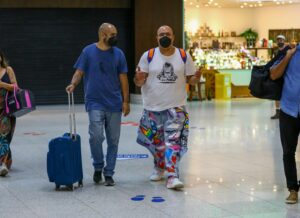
[167, 74]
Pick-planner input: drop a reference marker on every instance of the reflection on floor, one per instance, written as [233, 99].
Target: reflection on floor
[233, 168]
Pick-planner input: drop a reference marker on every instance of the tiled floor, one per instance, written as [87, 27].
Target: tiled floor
[233, 168]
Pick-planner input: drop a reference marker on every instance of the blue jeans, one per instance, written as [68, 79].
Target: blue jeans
[111, 122]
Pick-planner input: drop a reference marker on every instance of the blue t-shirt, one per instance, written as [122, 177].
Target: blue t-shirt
[290, 99]
[102, 87]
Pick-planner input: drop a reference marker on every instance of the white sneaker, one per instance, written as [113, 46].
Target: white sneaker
[3, 170]
[174, 183]
[156, 176]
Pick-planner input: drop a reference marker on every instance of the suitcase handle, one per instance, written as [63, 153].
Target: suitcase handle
[72, 116]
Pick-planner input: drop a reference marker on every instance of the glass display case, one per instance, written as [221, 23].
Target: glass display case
[227, 59]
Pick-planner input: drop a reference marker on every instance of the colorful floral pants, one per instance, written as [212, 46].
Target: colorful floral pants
[165, 135]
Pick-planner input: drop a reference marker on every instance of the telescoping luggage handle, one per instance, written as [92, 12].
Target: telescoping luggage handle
[72, 116]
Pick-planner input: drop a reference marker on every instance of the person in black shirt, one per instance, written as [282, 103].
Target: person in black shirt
[281, 52]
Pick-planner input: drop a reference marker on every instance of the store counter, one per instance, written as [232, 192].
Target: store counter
[239, 77]
[240, 80]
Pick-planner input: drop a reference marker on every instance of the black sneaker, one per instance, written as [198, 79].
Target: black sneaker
[109, 181]
[276, 115]
[97, 176]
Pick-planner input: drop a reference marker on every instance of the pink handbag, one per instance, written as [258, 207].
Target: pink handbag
[19, 102]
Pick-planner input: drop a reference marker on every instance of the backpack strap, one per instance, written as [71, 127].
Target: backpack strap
[152, 51]
[183, 54]
[150, 55]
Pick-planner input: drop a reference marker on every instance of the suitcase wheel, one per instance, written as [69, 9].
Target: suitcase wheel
[70, 187]
[57, 187]
[80, 184]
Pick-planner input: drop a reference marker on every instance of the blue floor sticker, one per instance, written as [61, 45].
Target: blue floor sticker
[157, 199]
[142, 197]
[138, 198]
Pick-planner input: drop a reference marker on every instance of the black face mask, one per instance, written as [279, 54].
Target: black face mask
[112, 41]
[165, 42]
[280, 44]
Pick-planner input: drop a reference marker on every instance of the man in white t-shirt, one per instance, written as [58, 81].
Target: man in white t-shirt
[162, 73]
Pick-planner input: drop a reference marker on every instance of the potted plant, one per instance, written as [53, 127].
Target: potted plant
[250, 36]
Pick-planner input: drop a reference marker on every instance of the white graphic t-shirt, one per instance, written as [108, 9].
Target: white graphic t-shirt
[166, 81]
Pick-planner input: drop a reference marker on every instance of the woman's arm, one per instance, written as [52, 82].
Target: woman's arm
[12, 78]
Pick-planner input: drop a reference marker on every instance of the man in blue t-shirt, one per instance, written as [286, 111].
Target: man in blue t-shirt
[289, 117]
[103, 68]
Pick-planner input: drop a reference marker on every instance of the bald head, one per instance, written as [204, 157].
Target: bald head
[106, 27]
[107, 32]
[165, 37]
[165, 28]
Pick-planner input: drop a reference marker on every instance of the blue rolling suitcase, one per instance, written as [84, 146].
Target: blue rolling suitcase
[64, 165]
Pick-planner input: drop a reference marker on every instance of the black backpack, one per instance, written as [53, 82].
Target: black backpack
[262, 86]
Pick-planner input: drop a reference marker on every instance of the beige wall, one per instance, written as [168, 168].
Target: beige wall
[283, 17]
[237, 19]
[219, 19]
